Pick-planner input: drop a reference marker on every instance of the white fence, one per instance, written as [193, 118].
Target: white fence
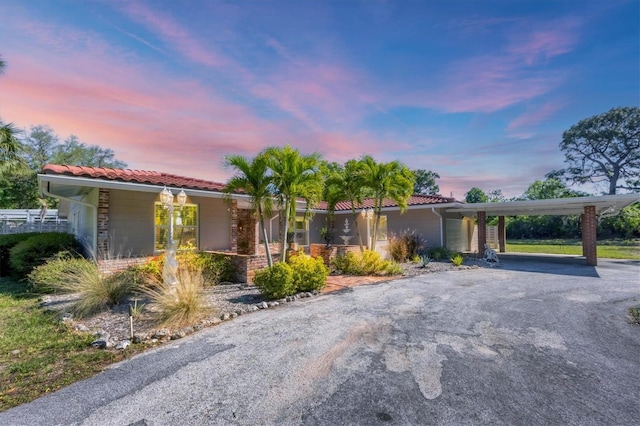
[31, 220]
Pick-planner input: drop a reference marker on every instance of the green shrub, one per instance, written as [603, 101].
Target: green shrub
[97, 290]
[367, 263]
[457, 259]
[215, 267]
[276, 281]
[439, 253]
[182, 304]
[309, 273]
[7, 242]
[35, 250]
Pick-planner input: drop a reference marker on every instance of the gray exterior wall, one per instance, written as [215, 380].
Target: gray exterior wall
[423, 221]
[131, 227]
[132, 215]
[215, 223]
[82, 221]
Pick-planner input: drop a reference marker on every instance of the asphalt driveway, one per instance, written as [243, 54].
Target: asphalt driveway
[524, 343]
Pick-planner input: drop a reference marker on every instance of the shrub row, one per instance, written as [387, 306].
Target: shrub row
[20, 253]
[366, 263]
[301, 273]
[215, 268]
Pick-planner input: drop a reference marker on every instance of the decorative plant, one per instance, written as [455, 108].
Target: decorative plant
[457, 259]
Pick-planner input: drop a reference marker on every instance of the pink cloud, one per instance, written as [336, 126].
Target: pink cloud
[532, 118]
[173, 34]
[557, 38]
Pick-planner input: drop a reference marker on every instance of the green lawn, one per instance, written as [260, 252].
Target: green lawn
[612, 249]
[39, 353]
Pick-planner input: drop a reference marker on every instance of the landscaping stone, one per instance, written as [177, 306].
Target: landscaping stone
[161, 333]
[225, 317]
[123, 344]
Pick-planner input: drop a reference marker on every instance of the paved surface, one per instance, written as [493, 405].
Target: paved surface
[526, 343]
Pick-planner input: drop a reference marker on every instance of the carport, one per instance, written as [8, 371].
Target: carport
[590, 209]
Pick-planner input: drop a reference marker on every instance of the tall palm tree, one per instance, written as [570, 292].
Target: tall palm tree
[386, 180]
[253, 178]
[294, 177]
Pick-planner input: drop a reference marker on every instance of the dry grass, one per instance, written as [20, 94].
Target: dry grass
[180, 305]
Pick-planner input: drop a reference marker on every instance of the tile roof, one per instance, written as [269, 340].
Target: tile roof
[162, 179]
[415, 200]
[133, 176]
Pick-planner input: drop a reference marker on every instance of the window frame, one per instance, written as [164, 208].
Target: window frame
[177, 212]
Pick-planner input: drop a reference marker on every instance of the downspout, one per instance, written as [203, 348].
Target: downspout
[433, 209]
[71, 200]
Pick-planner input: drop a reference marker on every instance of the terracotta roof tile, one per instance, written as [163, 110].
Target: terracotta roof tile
[415, 200]
[134, 176]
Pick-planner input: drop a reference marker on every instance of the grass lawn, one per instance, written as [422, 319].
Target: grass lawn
[39, 353]
[612, 249]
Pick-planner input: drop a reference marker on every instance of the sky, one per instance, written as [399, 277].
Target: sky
[478, 91]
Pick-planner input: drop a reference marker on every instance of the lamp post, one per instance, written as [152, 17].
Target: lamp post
[368, 214]
[170, 269]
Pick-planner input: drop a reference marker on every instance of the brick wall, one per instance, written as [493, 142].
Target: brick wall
[234, 225]
[109, 266]
[247, 232]
[103, 221]
[245, 266]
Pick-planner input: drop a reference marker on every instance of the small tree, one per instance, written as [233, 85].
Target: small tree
[294, 177]
[386, 180]
[252, 177]
[604, 148]
[476, 195]
[425, 183]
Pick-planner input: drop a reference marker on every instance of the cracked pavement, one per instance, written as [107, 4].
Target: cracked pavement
[523, 343]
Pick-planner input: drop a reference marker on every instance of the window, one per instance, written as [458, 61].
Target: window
[185, 226]
[302, 231]
[382, 228]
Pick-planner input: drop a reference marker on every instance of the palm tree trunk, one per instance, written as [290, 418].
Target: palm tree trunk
[264, 238]
[355, 225]
[283, 245]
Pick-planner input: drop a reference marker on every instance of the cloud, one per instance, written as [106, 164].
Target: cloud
[532, 118]
[173, 34]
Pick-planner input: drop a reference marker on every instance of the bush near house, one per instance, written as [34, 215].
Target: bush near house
[439, 253]
[215, 268]
[309, 273]
[7, 242]
[404, 246]
[367, 263]
[276, 281]
[37, 249]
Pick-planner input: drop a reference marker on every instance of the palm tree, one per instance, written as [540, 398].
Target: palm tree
[253, 178]
[349, 185]
[10, 148]
[294, 177]
[386, 180]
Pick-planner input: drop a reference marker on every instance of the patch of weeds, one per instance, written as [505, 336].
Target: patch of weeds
[635, 315]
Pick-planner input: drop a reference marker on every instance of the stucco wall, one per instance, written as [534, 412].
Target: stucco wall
[215, 223]
[82, 221]
[131, 216]
[423, 221]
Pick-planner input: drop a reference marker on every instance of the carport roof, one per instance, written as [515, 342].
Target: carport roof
[605, 205]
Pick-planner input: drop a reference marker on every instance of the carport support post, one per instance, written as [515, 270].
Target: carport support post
[502, 235]
[589, 226]
[482, 232]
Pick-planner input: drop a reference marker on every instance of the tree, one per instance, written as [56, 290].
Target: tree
[550, 188]
[294, 177]
[10, 149]
[75, 153]
[476, 195]
[253, 178]
[347, 184]
[386, 180]
[496, 196]
[604, 149]
[40, 144]
[425, 183]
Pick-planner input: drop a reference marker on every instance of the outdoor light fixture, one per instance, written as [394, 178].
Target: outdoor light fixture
[170, 269]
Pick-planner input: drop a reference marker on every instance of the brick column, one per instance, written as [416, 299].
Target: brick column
[234, 225]
[247, 232]
[103, 222]
[589, 227]
[482, 231]
[502, 234]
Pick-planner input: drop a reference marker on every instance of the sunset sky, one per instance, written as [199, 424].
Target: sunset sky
[478, 91]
